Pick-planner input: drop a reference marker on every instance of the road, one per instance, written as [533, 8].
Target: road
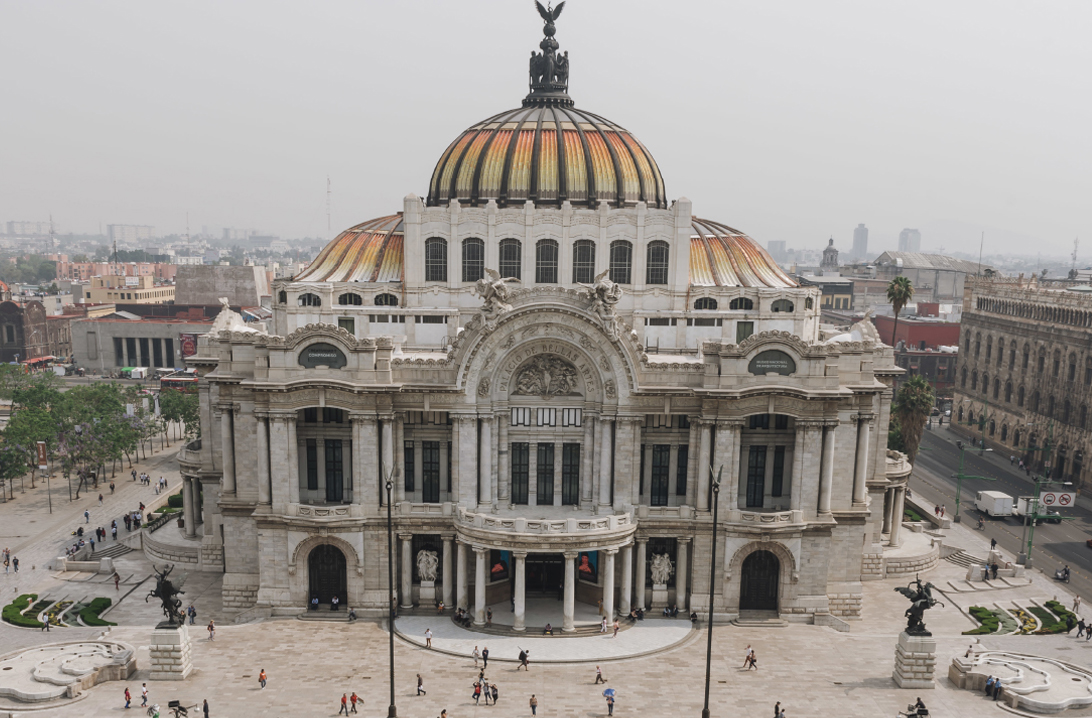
[1055, 544]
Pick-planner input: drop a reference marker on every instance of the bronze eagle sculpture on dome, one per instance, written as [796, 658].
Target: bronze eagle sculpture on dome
[549, 15]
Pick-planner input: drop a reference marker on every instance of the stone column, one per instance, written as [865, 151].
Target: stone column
[726, 459]
[567, 624]
[627, 580]
[605, 454]
[227, 448]
[559, 450]
[265, 493]
[366, 484]
[860, 476]
[449, 575]
[463, 583]
[504, 471]
[608, 581]
[826, 476]
[189, 505]
[480, 553]
[468, 461]
[896, 515]
[703, 464]
[693, 451]
[586, 456]
[636, 425]
[796, 478]
[681, 572]
[293, 461]
[407, 570]
[811, 465]
[399, 456]
[280, 460]
[519, 599]
[485, 451]
[386, 448]
[888, 502]
[642, 568]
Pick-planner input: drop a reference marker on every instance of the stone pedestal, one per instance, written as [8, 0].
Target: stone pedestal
[171, 653]
[428, 593]
[659, 595]
[915, 661]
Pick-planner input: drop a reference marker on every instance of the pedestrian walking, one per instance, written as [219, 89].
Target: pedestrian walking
[993, 544]
[534, 704]
[489, 616]
[752, 662]
[91, 541]
[45, 624]
[1076, 604]
[428, 638]
[100, 499]
[353, 700]
[599, 675]
[261, 678]
[128, 697]
[212, 631]
[603, 625]
[205, 704]
[523, 660]
[943, 509]
[117, 580]
[143, 694]
[1080, 628]
[485, 657]
[111, 487]
[86, 516]
[747, 655]
[616, 627]
[344, 704]
[610, 704]
[421, 686]
[477, 692]
[477, 654]
[777, 709]
[15, 563]
[1012, 459]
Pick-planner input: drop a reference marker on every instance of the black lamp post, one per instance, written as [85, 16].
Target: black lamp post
[392, 712]
[712, 588]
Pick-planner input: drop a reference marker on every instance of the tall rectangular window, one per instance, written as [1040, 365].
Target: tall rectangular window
[680, 470]
[410, 466]
[545, 474]
[334, 471]
[348, 324]
[621, 261]
[130, 351]
[584, 261]
[157, 353]
[449, 467]
[744, 330]
[521, 464]
[511, 258]
[435, 260]
[145, 359]
[473, 259]
[312, 465]
[546, 261]
[756, 477]
[169, 351]
[430, 472]
[570, 474]
[777, 481]
[661, 473]
[119, 352]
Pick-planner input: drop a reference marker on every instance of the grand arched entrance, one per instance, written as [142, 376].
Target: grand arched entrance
[326, 573]
[759, 582]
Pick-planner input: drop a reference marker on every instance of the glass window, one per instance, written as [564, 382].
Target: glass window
[521, 457]
[756, 477]
[546, 262]
[705, 304]
[784, 305]
[348, 324]
[430, 472]
[282, 297]
[744, 330]
[310, 300]
[473, 259]
[621, 261]
[680, 470]
[656, 271]
[778, 471]
[335, 475]
[312, 465]
[350, 299]
[545, 474]
[408, 462]
[511, 258]
[386, 300]
[741, 303]
[570, 474]
[435, 260]
[584, 261]
[661, 468]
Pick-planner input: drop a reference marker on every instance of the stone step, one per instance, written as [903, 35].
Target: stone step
[113, 551]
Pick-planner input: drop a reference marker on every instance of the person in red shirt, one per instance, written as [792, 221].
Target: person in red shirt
[353, 699]
[128, 697]
[344, 705]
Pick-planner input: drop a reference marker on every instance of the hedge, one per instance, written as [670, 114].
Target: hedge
[13, 612]
[175, 500]
[1061, 611]
[1049, 623]
[990, 622]
[908, 514]
[90, 613]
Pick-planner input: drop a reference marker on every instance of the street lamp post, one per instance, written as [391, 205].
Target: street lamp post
[712, 588]
[959, 476]
[392, 711]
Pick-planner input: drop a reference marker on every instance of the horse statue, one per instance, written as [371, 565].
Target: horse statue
[166, 592]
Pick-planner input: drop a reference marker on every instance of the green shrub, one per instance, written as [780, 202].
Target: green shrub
[90, 614]
[1061, 611]
[1048, 623]
[13, 612]
[908, 514]
[175, 500]
[988, 620]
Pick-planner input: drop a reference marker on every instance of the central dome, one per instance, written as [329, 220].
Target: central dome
[547, 153]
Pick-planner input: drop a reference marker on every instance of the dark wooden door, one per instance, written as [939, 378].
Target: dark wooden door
[758, 582]
[326, 573]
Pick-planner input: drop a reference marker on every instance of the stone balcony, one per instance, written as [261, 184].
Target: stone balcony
[189, 457]
[544, 528]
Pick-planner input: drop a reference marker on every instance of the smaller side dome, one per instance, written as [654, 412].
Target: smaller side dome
[369, 252]
[724, 257]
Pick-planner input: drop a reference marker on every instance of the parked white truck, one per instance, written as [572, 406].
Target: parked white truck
[994, 503]
[1024, 506]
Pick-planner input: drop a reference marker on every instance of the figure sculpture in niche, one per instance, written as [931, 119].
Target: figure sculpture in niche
[426, 565]
[661, 568]
[546, 375]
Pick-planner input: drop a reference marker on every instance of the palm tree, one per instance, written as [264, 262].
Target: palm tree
[913, 405]
[899, 292]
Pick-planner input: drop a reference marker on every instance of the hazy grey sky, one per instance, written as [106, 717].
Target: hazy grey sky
[787, 120]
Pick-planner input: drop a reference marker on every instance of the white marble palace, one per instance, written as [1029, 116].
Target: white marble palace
[552, 362]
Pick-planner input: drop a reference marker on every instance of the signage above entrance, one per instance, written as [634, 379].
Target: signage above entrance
[772, 361]
[318, 355]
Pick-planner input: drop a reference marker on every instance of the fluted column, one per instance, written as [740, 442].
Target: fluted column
[399, 456]
[703, 463]
[860, 475]
[727, 458]
[888, 502]
[280, 462]
[608, 581]
[449, 574]
[462, 581]
[587, 455]
[386, 431]
[635, 486]
[627, 580]
[485, 488]
[519, 597]
[693, 450]
[826, 477]
[606, 449]
[366, 482]
[227, 448]
[480, 553]
[293, 461]
[681, 572]
[896, 515]
[407, 570]
[642, 557]
[567, 623]
[796, 490]
[504, 471]
[265, 488]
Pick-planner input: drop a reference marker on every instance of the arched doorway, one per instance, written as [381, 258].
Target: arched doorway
[326, 573]
[758, 582]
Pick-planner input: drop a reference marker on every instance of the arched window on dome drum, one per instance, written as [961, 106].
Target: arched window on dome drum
[808, 303]
[473, 259]
[1016, 438]
[310, 300]
[546, 262]
[386, 300]
[782, 305]
[741, 303]
[705, 303]
[350, 299]
[1008, 392]
[656, 270]
[583, 261]
[511, 258]
[963, 378]
[283, 297]
[621, 261]
[435, 259]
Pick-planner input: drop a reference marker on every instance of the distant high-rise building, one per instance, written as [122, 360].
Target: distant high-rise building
[776, 248]
[28, 229]
[129, 232]
[860, 242]
[910, 240]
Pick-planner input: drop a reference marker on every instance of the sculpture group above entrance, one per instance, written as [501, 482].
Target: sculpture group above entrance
[546, 375]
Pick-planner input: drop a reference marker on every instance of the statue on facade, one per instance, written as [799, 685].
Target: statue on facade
[921, 599]
[495, 292]
[604, 295]
[661, 568]
[548, 72]
[231, 321]
[166, 592]
[546, 375]
[426, 565]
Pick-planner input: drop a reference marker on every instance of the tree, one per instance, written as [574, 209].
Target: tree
[899, 292]
[913, 404]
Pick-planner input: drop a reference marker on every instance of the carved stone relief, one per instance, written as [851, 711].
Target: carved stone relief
[546, 375]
